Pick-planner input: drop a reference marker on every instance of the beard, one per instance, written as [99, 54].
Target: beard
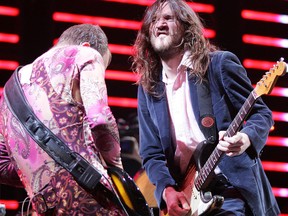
[166, 45]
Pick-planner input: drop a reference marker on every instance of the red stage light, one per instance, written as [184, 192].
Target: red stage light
[9, 11]
[198, 7]
[10, 204]
[120, 75]
[280, 116]
[209, 33]
[102, 21]
[265, 41]
[275, 166]
[8, 65]
[9, 38]
[120, 49]
[122, 102]
[280, 192]
[109, 22]
[257, 64]
[264, 16]
[277, 141]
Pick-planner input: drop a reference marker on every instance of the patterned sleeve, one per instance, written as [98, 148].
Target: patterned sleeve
[100, 118]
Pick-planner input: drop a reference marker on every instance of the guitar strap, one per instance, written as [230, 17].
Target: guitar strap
[207, 119]
[83, 172]
[207, 123]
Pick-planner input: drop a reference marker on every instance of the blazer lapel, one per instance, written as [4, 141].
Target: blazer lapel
[160, 106]
[194, 98]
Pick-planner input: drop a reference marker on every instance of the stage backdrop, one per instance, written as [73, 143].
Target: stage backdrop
[256, 31]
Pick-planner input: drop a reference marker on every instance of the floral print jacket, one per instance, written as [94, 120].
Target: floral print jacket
[66, 89]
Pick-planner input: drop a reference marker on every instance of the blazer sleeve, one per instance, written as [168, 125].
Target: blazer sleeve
[151, 146]
[235, 85]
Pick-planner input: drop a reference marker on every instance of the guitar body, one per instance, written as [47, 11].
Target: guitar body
[146, 187]
[206, 203]
[130, 195]
[201, 202]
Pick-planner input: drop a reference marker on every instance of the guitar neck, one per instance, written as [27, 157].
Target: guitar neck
[233, 128]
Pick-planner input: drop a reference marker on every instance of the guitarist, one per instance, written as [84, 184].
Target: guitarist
[66, 88]
[172, 57]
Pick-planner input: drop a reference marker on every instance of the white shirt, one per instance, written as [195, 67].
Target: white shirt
[185, 130]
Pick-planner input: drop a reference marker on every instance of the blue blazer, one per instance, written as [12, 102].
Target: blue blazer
[230, 87]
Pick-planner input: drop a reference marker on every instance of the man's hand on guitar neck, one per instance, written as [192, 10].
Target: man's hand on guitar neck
[176, 202]
[234, 145]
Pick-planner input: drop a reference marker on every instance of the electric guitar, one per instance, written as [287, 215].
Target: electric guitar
[197, 178]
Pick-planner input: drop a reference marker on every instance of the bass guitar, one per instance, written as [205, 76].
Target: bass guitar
[130, 196]
[197, 178]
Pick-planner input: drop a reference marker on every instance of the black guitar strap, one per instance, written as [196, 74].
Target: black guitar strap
[207, 119]
[82, 171]
[207, 124]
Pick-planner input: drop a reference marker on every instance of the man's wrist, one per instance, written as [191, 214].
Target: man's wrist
[168, 188]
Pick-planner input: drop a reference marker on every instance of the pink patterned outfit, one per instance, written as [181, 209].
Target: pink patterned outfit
[66, 89]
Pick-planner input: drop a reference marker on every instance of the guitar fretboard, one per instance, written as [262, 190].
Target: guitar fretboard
[233, 128]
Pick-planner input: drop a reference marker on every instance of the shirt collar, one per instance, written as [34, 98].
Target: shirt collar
[183, 66]
[185, 62]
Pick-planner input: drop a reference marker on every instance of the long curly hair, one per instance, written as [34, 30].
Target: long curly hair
[146, 63]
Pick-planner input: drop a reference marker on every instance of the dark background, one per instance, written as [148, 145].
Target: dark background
[37, 29]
